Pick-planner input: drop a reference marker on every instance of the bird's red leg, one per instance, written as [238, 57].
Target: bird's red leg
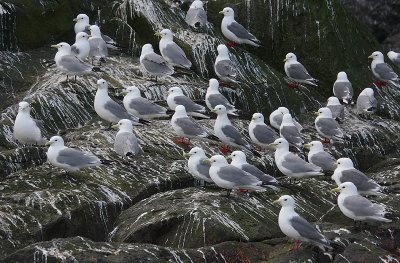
[231, 44]
[225, 84]
[294, 85]
[380, 84]
[326, 141]
[243, 190]
[183, 140]
[297, 245]
[225, 149]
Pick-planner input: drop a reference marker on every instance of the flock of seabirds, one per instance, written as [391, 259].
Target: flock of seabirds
[352, 184]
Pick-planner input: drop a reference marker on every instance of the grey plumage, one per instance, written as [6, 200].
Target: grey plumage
[175, 55]
[385, 72]
[323, 160]
[242, 32]
[98, 47]
[238, 177]
[362, 207]
[360, 180]
[219, 99]
[253, 170]
[126, 142]
[337, 111]
[74, 65]
[119, 111]
[298, 71]
[308, 231]
[343, 89]
[190, 128]
[366, 104]
[155, 64]
[329, 128]
[226, 70]
[234, 135]
[204, 168]
[196, 18]
[76, 158]
[145, 107]
[265, 134]
[291, 134]
[296, 165]
[190, 106]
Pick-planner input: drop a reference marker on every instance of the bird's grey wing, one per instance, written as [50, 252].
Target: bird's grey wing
[119, 111]
[265, 134]
[190, 106]
[74, 50]
[374, 102]
[337, 111]
[238, 177]
[396, 60]
[306, 230]
[324, 160]
[154, 63]
[98, 47]
[329, 127]
[234, 135]
[76, 158]
[107, 39]
[226, 68]
[278, 119]
[240, 31]
[343, 89]
[39, 124]
[146, 107]
[253, 170]
[219, 99]
[189, 127]
[298, 71]
[361, 206]
[203, 168]
[291, 134]
[126, 142]
[176, 54]
[359, 179]
[74, 64]
[295, 164]
[196, 15]
[385, 71]
[364, 103]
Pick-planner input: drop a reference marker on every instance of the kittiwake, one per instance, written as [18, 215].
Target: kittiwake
[26, 129]
[225, 69]
[275, 118]
[214, 98]
[383, 71]
[171, 52]
[176, 97]
[125, 142]
[394, 57]
[154, 64]
[289, 131]
[196, 16]
[336, 108]
[366, 102]
[199, 169]
[259, 132]
[342, 88]
[319, 157]
[81, 47]
[297, 72]
[326, 126]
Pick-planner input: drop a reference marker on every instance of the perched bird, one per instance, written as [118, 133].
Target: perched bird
[297, 72]
[141, 107]
[295, 226]
[234, 31]
[290, 164]
[227, 133]
[326, 126]
[176, 97]
[70, 64]
[230, 177]
[197, 167]
[154, 64]
[275, 118]
[259, 132]
[125, 142]
[289, 131]
[319, 157]
[239, 160]
[382, 71]
[82, 23]
[81, 47]
[185, 126]
[336, 108]
[357, 207]
[171, 52]
[26, 129]
[225, 69]
[98, 47]
[214, 98]
[345, 172]
[196, 16]
[394, 57]
[67, 158]
[342, 88]
[366, 102]
[108, 109]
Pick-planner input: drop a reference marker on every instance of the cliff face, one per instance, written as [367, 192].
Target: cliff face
[146, 209]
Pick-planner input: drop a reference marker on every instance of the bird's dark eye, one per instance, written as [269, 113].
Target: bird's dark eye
[55, 140]
[280, 142]
[284, 199]
[344, 187]
[338, 163]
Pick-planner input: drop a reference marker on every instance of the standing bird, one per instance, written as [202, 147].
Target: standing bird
[234, 31]
[275, 118]
[290, 164]
[108, 109]
[290, 132]
[239, 160]
[295, 226]
[196, 16]
[141, 107]
[394, 57]
[81, 47]
[176, 97]
[125, 142]
[214, 98]
[185, 126]
[171, 52]
[366, 102]
[297, 72]
[259, 132]
[382, 71]
[225, 69]
[82, 23]
[27, 129]
[342, 88]
[230, 177]
[336, 108]
[154, 64]
[98, 47]
[67, 158]
[357, 207]
[319, 157]
[227, 133]
[326, 126]
[199, 169]
[345, 172]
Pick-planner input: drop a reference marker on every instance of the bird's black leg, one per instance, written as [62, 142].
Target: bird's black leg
[75, 78]
[228, 192]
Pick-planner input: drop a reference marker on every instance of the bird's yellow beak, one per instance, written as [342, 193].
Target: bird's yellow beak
[89, 35]
[187, 154]
[124, 92]
[75, 19]
[214, 110]
[337, 189]
[276, 201]
[316, 113]
[157, 34]
[307, 145]
[370, 56]
[207, 161]
[49, 143]
[272, 145]
[285, 60]
[115, 126]
[252, 118]
[229, 158]
[54, 46]
[221, 12]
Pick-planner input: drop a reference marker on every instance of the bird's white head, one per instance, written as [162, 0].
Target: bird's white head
[223, 51]
[147, 48]
[166, 34]
[81, 36]
[324, 113]
[283, 110]
[24, 106]
[82, 18]
[175, 91]
[133, 91]
[63, 47]
[237, 157]
[346, 188]
[95, 31]
[333, 101]
[55, 141]
[180, 111]
[197, 4]
[102, 84]
[217, 160]
[125, 125]
[285, 201]
[377, 55]
[280, 143]
[287, 119]
[392, 55]
[369, 92]
[315, 146]
[257, 118]
[345, 163]
[290, 57]
[219, 109]
[228, 12]
[213, 85]
[342, 76]
[197, 151]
